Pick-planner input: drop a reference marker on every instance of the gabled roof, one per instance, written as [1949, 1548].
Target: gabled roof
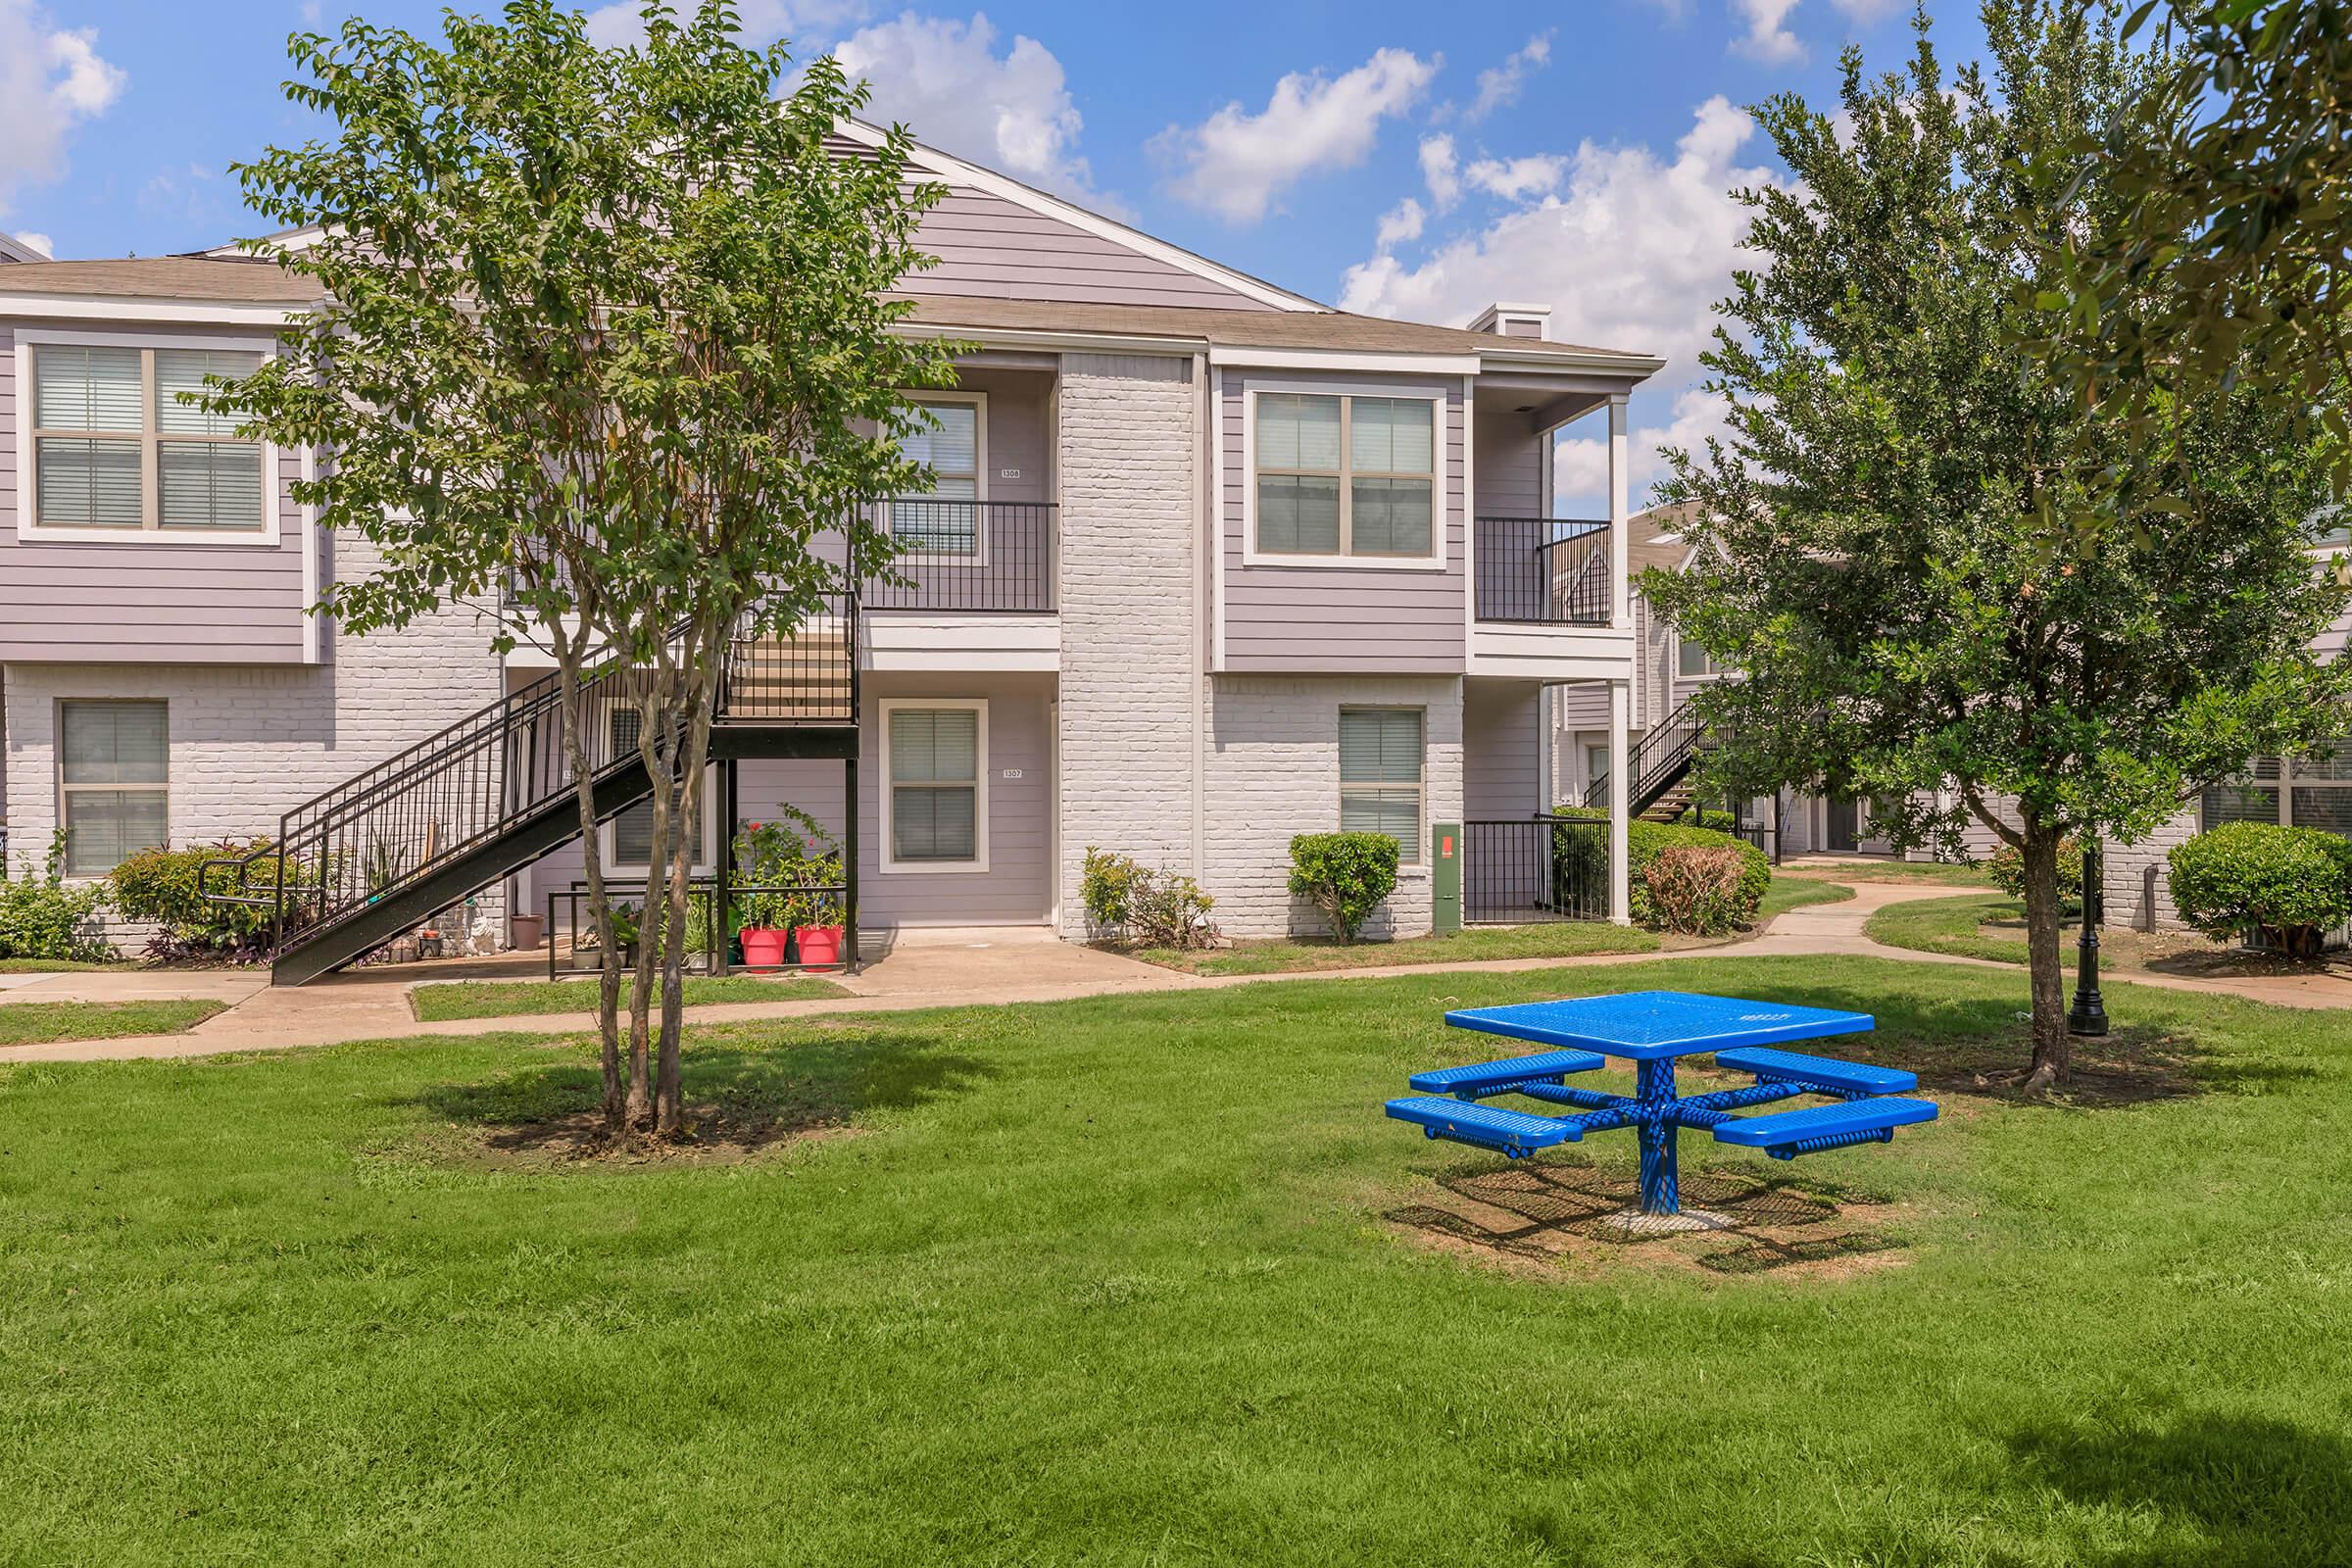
[241, 280]
[13, 249]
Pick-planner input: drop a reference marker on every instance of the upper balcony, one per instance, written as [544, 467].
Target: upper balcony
[965, 558]
[1544, 572]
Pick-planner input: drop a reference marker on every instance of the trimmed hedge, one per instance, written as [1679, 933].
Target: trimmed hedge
[1695, 891]
[2294, 884]
[1344, 875]
[167, 888]
[1645, 841]
[41, 917]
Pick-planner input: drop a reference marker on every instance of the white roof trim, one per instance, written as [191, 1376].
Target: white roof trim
[1036, 201]
[131, 309]
[1221, 355]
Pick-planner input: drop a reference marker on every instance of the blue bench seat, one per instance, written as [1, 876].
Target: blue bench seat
[1512, 1132]
[1817, 1072]
[1495, 1077]
[1820, 1127]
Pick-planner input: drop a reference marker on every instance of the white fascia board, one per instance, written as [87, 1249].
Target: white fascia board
[1223, 355]
[952, 167]
[137, 309]
[1632, 366]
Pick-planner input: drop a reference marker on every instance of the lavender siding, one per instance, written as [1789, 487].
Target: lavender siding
[135, 601]
[996, 248]
[1501, 742]
[1337, 619]
[1508, 474]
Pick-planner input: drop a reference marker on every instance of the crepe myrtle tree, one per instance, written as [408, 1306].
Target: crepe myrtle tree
[606, 347]
[1880, 543]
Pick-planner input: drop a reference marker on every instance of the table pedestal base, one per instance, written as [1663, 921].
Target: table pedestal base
[1633, 1222]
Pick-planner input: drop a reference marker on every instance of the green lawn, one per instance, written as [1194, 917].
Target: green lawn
[500, 999]
[1875, 870]
[34, 1023]
[1564, 939]
[1795, 891]
[1108, 1282]
[60, 965]
[1950, 925]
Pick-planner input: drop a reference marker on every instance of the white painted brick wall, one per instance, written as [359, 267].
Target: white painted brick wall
[1129, 573]
[2138, 879]
[1274, 771]
[249, 742]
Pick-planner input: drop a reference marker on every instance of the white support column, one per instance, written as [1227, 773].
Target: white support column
[1621, 611]
[1621, 789]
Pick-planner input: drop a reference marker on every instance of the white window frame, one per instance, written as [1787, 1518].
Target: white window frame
[1711, 672]
[891, 864]
[1441, 476]
[64, 789]
[30, 530]
[1412, 856]
[977, 555]
[608, 832]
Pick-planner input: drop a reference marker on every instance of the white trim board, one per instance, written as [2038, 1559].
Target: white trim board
[886, 860]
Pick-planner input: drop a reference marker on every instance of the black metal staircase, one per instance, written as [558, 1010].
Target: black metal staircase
[1659, 765]
[391, 847]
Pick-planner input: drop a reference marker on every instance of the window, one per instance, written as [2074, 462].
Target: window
[1695, 661]
[1380, 775]
[1596, 763]
[114, 449]
[945, 523]
[113, 782]
[936, 757]
[1346, 475]
[632, 837]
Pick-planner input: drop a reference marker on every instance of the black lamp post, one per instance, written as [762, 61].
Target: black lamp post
[2088, 1016]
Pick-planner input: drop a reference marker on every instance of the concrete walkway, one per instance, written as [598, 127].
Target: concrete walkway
[941, 970]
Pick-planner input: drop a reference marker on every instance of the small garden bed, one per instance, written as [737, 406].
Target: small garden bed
[443, 1001]
[39, 1023]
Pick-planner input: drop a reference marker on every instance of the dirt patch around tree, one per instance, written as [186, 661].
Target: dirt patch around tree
[714, 1136]
[1555, 1217]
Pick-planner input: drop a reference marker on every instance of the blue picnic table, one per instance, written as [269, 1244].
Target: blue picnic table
[1653, 1029]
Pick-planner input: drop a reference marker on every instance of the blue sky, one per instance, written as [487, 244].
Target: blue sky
[1404, 160]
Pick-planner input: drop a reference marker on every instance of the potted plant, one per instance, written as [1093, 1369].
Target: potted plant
[764, 852]
[622, 929]
[816, 928]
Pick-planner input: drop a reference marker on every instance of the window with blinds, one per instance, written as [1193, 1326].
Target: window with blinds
[632, 843]
[935, 764]
[2301, 792]
[1343, 476]
[113, 782]
[114, 448]
[1381, 775]
[947, 522]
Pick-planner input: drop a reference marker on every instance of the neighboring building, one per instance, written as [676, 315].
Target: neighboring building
[1210, 564]
[1668, 671]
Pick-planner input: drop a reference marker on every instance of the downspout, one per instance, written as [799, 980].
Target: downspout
[1205, 517]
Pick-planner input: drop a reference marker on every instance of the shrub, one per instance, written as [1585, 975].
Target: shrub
[1645, 841]
[1344, 875]
[2007, 869]
[796, 860]
[1158, 908]
[40, 918]
[167, 888]
[2292, 884]
[1695, 889]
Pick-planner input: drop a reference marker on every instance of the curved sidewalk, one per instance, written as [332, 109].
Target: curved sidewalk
[942, 971]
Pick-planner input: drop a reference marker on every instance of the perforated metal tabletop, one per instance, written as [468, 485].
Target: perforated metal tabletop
[1658, 1025]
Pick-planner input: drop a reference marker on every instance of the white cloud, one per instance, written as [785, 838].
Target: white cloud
[51, 80]
[39, 242]
[1631, 249]
[1767, 38]
[944, 79]
[1401, 224]
[1237, 163]
[1579, 473]
[1498, 86]
[1517, 179]
[1440, 171]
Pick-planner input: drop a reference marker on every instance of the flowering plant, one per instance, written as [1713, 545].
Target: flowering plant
[797, 861]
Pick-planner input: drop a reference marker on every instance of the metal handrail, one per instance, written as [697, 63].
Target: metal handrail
[1654, 762]
[1522, 579]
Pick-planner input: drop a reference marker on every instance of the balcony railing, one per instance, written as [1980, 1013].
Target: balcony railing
[1544, 570]
[966, 557]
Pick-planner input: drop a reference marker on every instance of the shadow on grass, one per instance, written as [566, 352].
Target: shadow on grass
[2231, 1490]
[738, 1100]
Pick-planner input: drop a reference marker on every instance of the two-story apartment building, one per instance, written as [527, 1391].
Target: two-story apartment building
[1209, 565]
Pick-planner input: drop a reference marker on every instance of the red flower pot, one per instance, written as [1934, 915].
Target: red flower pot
[819, 944]
[762, 946]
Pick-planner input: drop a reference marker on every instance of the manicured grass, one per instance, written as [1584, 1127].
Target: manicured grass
[34, 1023]
[1795, 891]
[1564, 940]
[1950, 925]
[1937, 871]
[59, 966]
[499, 998]
[1108, 1282]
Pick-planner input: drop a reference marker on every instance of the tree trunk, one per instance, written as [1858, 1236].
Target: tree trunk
[2053, 1062]
[658, 758]
[571, 702]
[669, 1108]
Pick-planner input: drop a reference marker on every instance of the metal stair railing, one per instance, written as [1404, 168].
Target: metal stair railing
[391, 828]
[1656, 761]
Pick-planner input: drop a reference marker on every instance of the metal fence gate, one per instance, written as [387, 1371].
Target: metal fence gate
[1519, 870]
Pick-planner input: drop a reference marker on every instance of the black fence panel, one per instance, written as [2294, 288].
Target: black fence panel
[1521, 870]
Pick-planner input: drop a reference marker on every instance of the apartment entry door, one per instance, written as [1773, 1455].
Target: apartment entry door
[1843, 830]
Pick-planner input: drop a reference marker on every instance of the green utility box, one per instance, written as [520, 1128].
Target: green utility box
[1445, 860]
